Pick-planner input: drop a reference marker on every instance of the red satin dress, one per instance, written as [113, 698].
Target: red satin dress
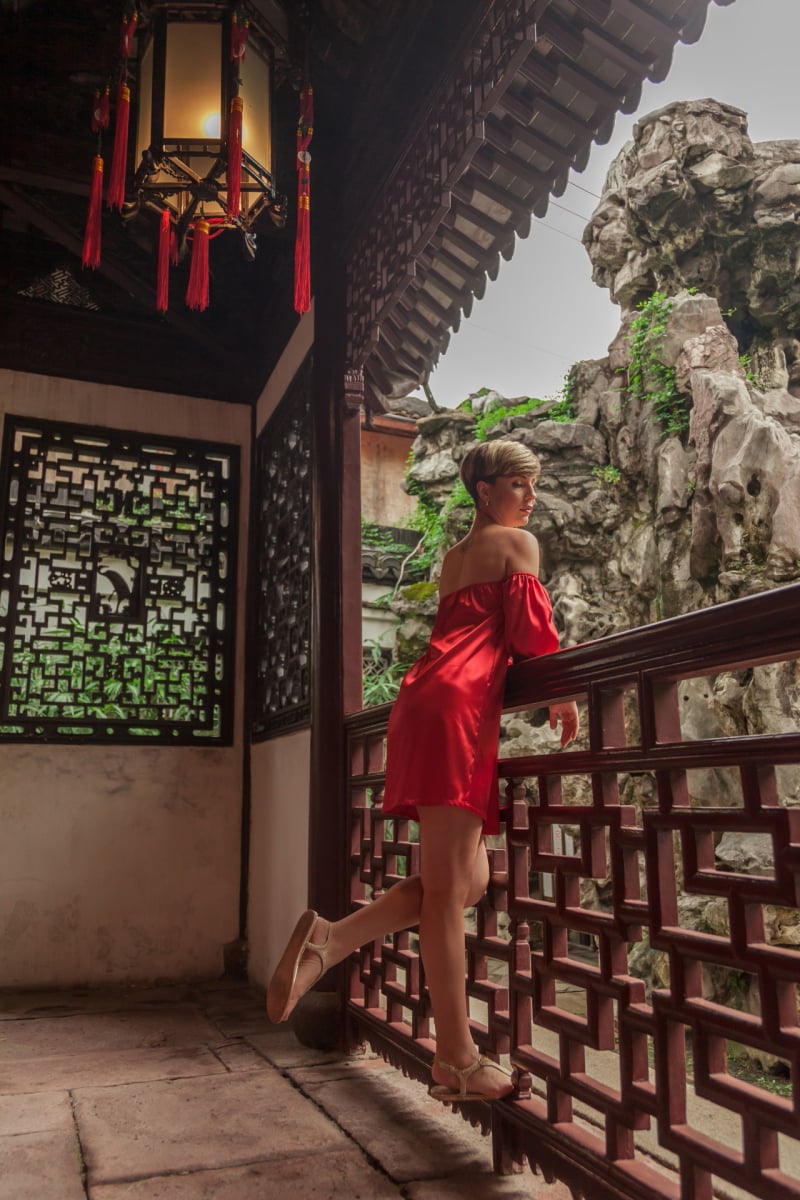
[444, 727]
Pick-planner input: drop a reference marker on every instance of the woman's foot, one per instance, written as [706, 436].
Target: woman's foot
[478, 1079]
[304, 961]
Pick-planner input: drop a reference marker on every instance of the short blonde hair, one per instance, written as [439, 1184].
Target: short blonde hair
[488, 460]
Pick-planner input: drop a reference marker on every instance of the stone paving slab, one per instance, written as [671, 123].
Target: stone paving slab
[487, 1186]
[178, 1025]
[237, 1013]
[332, 1175]
[35, 1114]
[282, 1049]
[138, 1130]
[342, 1068]
[238, 1056]
[104, 1068]
[21, 1002]
[397, 1124]
[41, 1166]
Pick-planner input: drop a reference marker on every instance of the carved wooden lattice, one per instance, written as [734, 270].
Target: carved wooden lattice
[283, 501]
[411, 209]
[628, 1087]
[117, 589]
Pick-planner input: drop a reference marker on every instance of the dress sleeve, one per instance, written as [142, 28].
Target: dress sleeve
[529, 628]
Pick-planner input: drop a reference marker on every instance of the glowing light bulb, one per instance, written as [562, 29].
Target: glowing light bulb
[211, 125]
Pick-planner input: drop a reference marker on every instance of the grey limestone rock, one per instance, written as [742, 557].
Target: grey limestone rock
[693, 202]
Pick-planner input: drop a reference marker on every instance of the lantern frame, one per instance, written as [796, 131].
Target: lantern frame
[167, 175]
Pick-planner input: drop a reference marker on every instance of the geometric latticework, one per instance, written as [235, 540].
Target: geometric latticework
[283, 495]
[117, 586]
[60, 287]
[643, 981]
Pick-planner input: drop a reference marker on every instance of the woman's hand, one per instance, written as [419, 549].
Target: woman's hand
[567, 713]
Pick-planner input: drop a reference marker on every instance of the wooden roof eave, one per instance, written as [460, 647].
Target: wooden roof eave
[533, 115]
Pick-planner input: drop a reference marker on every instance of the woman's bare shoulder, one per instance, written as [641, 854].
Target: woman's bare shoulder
[522, 551]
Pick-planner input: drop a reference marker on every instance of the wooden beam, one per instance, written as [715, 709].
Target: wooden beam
[41, 217]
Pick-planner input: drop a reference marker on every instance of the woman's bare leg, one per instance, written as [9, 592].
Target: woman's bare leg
[397, 908]
[450, 839]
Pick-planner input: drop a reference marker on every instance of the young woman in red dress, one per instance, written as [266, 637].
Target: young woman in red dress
[441, 759]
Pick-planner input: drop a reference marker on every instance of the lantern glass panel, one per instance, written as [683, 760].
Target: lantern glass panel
[193, 88]
[255, 92]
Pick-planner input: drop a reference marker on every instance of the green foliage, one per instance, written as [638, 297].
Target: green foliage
[608, 476]
[375, 535]
[648, 378]
[420, 592]
[431, 521]
[381, 678]
[427, 519]
[489, 420]
[746, 363]
[153, 675]
[563, 410]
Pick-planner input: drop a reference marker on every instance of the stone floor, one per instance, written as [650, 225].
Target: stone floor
[188, 1093]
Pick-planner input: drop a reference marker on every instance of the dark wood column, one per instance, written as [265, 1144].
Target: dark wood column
[337, 396]
[326, 887]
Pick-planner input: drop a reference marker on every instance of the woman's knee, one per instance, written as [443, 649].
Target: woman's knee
[476, 892]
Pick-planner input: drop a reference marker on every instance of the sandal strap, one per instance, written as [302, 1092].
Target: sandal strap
[321, 951]
[464, 1074]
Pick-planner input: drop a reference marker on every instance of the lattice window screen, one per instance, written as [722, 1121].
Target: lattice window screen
[117, 598]
[283, 502]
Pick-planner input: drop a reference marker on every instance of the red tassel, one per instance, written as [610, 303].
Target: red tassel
[238, 38]
[197, 291]
[126, 35]
[173, 247]
[115, 193]
[162, 279]
[91, 240]
[302, 245]
[100, 111]
[235, 157]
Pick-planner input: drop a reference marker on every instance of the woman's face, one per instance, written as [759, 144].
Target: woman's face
[509, 500]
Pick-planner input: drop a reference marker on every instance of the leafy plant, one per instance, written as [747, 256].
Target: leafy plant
[563, 410]
[375, 535]
[490, 420]
[381, 677]
[746, 363]
[648, 377]
[608, 476]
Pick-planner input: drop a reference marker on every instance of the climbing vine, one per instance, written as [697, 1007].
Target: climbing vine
[648, 377]
[563, 410]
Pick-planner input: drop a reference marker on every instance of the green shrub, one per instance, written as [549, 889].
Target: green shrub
[648, 377]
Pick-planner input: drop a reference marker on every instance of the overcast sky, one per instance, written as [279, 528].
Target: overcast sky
[543, 312]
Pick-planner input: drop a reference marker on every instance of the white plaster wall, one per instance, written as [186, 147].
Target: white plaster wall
[280, 772]
[121, 863]
[286, 368]
[278, 847]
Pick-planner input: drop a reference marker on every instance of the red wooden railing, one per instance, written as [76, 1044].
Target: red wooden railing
[627, 1089]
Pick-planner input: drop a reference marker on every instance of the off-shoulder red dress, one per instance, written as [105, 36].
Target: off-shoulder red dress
[443, 730]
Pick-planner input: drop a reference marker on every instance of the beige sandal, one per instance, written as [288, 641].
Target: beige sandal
[440, 1091]
[281, 985]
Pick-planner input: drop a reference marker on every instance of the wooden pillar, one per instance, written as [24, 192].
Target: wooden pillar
[326, 885]
[352, 638]
[336, 620]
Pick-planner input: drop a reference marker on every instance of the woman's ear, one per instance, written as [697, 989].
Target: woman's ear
[482, 488]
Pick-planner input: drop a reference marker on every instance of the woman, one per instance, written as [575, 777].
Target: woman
[441, 764]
